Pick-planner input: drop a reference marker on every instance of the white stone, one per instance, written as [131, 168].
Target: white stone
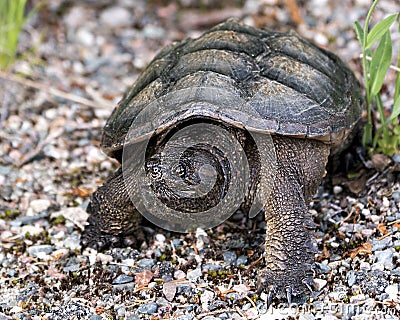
[33, 230]
[337, 189]
[319, 284]
[39, 205]
[393, 291]
[160, 238]
[375, 218]
[116, 17]
[365, 266]
[385, 202]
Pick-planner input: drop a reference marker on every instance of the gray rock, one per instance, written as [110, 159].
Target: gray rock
[116, 17]
[153, 32]
[123, 278]
[194, 274]
[39, 205]
[395, 272]
[396, 158]
[71, 268]
[229, 257]
[206, 297]
[382, 244]
[241, 260]
[322, 268]
[386, 258]
[185, 317]
[211, 267]
[351, 278]
[40, 251]
[146, 263]
[373, 282]
[27, 220]
[121, 310]
[148, 308]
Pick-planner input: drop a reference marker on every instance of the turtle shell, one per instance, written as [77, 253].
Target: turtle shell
[263, 81]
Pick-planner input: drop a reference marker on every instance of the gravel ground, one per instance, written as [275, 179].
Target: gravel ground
[51, 162]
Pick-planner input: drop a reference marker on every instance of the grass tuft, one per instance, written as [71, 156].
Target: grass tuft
[376, 47]
[12, 19]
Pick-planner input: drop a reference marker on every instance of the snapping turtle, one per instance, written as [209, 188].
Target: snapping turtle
[245, 81]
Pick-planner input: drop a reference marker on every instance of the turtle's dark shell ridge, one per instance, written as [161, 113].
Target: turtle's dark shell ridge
[264, 81]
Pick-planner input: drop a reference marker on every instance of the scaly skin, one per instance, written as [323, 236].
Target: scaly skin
[289, 240]
[113, 220]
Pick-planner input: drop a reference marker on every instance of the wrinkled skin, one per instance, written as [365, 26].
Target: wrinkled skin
[289, 248]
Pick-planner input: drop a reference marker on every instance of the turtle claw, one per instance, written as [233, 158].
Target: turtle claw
[308, 285]
[289, 295]
[100, 241]
[283, 285]
[271, 294]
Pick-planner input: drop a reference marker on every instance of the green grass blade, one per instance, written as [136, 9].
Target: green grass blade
[380, 29]
[12, 19]
[395, 111]
[397, 85]
[359, 33]
[380, 63]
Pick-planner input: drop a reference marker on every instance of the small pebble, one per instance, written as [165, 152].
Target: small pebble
[116, 17]
[322, 268]
[169, 290]
[241, 260]
[39, 205]
[378, 245]
[194, 274]
[375, 218]
[40, 251]
[357, 298]
[123, 278]
[337, 189]
[160, 237]
[385, 258]
[393, 292]
[229, 257]
[319, 284]
[365, 266]
[146, 263]
[179, 274]
[148, 308]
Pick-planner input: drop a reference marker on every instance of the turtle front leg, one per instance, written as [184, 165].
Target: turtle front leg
[113, 220]
[289, 243]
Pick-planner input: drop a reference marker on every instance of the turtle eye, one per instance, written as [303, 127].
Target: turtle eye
[156, 172]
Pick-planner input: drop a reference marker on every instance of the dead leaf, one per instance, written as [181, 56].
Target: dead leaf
[380, 161]
[143, 278]
[363, 249]
[100, 310]
[357, 185]
[82, 192]
[382, 228]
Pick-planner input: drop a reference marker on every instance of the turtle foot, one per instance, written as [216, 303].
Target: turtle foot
[94, 238]
[286, 285]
